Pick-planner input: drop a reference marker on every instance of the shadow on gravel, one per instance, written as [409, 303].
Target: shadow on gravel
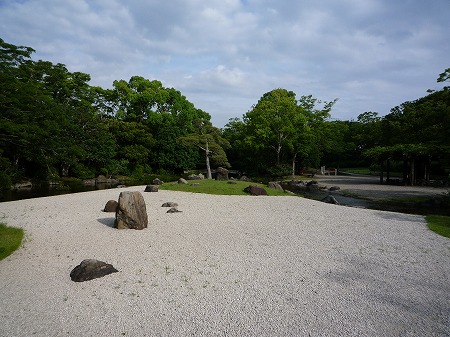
[107, 221]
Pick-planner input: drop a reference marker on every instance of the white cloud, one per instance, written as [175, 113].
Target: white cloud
[225, 54]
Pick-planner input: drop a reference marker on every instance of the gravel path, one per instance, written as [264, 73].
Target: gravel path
[370, 187]
[225, 266]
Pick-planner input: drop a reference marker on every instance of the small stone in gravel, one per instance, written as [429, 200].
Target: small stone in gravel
[151, 188]
[169, 204]
[173, 210]
[91, 269]
[110, 206]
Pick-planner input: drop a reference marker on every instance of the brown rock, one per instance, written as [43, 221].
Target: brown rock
[221, 173]
[275, 185]
[255, 190]
[91, 269]
[169, 204]
[151, 188]
[173, 210]
[131, 211]
[110, 206]
[157, 181]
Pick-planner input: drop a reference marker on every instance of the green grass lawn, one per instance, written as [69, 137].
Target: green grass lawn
[439, 224]
[10, 239]
[208, 186]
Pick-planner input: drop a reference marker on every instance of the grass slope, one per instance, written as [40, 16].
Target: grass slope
[10, 239]
[208, 186]
[439, 224]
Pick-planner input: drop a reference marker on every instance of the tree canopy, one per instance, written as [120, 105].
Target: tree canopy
[53, 123]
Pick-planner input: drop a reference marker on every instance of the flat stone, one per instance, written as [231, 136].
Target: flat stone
[169, 204]
[90, 269]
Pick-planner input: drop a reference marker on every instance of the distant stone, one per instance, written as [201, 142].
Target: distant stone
[195, 177]
[295, 186]
[101, 179]
[91, 269]
[232, 182]
[169, 204]
[329, 199]
[182, 181]
[245, 178]
[173, 210]
[313, 187]
[23, 185]
[195, 184]
[334, 188]
[110, 206]
[221, 173]
[312, 182]
[255, 190]
[131, 212]
[151, 188]
[275, 186]
[157, 181]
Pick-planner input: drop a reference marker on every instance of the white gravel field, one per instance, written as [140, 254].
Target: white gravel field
[224, 266]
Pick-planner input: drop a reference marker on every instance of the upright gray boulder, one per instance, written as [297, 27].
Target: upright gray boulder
[275, 185]
[221, 173]
[157, 181]
[131, 212]
[182, 181]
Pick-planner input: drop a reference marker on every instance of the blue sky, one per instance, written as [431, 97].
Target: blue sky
[223, 55]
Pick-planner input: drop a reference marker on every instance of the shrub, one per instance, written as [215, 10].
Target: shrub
[5, 181]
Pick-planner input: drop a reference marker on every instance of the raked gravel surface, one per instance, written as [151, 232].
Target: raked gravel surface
[224, 266]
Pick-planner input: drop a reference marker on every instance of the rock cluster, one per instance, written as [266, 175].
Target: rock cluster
[195, 177]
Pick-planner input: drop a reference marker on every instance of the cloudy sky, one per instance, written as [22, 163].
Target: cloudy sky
[223, 55]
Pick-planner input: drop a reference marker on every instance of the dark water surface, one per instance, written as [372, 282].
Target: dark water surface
[45, 190]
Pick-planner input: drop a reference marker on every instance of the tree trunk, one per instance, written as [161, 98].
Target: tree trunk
[293, 165]
[208, 166]
[381, 171]
[388, 170]
[278, 154]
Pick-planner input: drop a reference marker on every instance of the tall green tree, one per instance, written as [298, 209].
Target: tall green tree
[210, 141]
[272, 120]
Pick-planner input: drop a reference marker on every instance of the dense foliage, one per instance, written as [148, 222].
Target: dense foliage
[54, 124]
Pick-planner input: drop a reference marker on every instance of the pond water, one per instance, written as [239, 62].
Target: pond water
[436, 205]
[45, 190]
